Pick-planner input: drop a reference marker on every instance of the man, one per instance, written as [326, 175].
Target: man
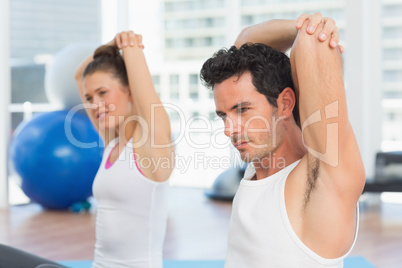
[296, 206]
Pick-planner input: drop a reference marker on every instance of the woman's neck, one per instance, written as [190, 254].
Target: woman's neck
[125, 131]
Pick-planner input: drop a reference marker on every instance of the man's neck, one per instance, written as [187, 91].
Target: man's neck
[273, 164]
[290, 150]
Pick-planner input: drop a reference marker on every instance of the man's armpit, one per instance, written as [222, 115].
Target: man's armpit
[313, 170]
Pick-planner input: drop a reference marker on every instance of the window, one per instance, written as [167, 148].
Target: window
[168, 43]
[247, 20]
[193, 86]
[38, 32]
[392, 54]
[174, 86]
[188, 42]
[392, 32]
[208, 22]
[195, 114]
[207, 41]
[157, 84]
[210, 94]
[392, 11]
[212, 116]
[392, 76]
[218, 40]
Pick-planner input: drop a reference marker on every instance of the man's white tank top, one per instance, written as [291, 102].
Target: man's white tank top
[131, 214]
[260, 233]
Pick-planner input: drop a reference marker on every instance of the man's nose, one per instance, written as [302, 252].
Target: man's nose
[232, 126]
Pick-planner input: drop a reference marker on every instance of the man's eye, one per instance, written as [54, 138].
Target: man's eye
[89, 99]
[242, 110]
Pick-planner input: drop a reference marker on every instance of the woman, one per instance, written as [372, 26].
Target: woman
[132, 182]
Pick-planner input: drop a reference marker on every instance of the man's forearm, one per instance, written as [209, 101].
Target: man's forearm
[279, 34]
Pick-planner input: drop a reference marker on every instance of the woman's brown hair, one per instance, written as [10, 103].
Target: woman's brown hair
[108, 59]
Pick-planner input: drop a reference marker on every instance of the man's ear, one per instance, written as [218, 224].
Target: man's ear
[286, 102]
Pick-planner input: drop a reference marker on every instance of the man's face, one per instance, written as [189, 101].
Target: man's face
[250, 121]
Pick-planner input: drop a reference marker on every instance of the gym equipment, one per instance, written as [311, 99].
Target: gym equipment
[350, 262]
[388, 173]
[56, 156]
[60, 86]
[226, 184]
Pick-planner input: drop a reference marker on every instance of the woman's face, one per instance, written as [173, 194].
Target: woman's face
[112, 102]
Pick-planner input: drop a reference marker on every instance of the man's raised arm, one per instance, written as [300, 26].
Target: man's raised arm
[333, 154]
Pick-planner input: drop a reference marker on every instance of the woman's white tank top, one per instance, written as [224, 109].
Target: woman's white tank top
[131, 214]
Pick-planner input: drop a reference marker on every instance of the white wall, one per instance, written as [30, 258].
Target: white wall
[4, 100]
[363, 76]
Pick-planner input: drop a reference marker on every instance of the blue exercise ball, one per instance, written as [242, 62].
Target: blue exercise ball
[56, 156]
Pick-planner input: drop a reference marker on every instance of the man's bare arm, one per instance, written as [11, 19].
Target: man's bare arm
[279, 34]
[333, 154]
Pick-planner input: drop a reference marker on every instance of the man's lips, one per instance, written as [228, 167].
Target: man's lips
[240, 144]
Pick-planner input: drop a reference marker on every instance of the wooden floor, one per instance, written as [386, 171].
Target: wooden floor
[197, 229]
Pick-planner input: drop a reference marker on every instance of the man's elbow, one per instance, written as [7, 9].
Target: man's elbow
[242, 38]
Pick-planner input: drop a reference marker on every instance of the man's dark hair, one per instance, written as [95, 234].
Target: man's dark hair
[270, 70]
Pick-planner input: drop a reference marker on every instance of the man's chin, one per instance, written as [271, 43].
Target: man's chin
[249, 157]
[245, 156]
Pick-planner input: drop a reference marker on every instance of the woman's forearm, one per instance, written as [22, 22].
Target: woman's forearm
[80, 70]
[279, 34]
